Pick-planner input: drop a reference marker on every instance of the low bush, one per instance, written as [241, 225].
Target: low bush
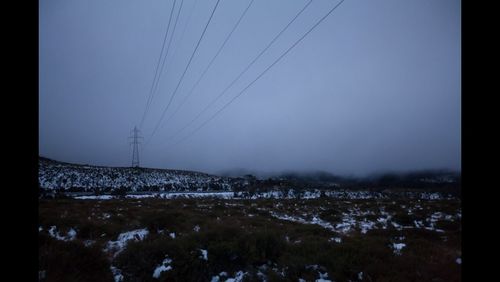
[72, 261]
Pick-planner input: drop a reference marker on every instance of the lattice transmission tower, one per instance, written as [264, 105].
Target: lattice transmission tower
[135, 142]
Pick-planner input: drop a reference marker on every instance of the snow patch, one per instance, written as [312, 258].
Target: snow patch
[238, 277]
[335, 239]
[117, 246]
[117, 274]
[366, 225]
[163, 267]
[204, 254]
[71, 235]
[323, 277]
[397, 247]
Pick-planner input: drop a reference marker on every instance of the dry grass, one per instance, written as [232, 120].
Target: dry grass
[242, 235]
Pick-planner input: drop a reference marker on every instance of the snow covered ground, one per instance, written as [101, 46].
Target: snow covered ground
[56, 175]
[223, 276]
[115, 247]
[163, 267]
[83, 181]
[71, 235]
[290, 194]
[354, 218]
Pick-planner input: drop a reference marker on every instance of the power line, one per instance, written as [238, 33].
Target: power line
[168, 47]
[261, 74]
[181, 37]
[169, 43]
[156, 83]
[183, 31]
[157, 66]
[185, 70]
[243, 72]
[211, 62]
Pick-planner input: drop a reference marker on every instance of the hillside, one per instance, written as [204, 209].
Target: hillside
[54, 175]
[66, 177]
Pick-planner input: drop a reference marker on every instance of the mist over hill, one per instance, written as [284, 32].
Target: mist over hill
[66, 177]
[430, 178]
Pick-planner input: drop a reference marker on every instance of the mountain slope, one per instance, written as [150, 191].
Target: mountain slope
[86, 178]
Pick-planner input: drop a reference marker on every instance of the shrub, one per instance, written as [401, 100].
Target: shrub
[72, 261]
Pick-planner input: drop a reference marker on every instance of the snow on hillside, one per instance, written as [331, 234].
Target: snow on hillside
[84, 178]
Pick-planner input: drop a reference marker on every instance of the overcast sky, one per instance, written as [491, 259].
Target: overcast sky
[376, 86]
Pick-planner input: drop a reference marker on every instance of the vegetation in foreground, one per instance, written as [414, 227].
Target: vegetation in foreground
[250, 240]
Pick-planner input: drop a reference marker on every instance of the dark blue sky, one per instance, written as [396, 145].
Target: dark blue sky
[376, 86]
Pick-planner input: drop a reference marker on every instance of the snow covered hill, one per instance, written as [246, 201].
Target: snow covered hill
[54, 175]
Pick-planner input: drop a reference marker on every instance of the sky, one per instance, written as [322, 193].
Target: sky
[374, 87]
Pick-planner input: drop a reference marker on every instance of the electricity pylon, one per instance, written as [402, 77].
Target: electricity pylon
[135, 141]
